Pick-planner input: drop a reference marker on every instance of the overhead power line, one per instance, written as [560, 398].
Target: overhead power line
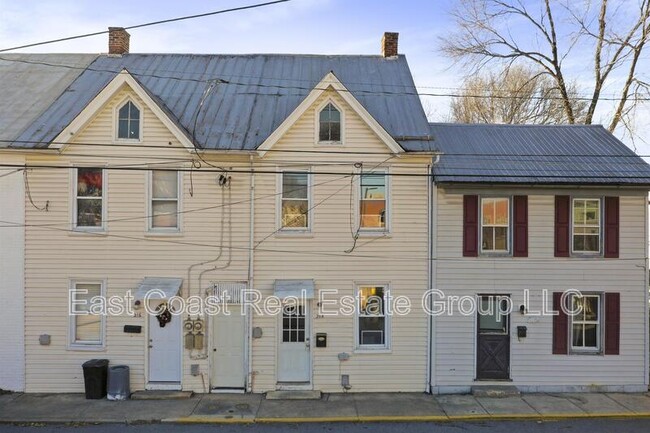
[152, 23]
[457, 94]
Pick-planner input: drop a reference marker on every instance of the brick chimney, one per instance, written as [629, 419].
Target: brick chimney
[389, 44]
[118, 40]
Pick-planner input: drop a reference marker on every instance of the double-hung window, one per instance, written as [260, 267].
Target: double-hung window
[373, 202]
[372, 318]
[164, 206]
[89, 199]
[495, 225]
[586, 225]
[86, 328]
[295, 201]
[586, 323]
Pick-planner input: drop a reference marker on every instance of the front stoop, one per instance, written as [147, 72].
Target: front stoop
[161, 395]
[495, 391]
[293, 395]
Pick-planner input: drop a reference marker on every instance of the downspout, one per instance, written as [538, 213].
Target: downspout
[429, 278]
[251, 275]
[433, 254]
[646, 276]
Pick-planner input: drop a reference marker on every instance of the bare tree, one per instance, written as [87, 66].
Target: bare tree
[545, 33]
[517, 94]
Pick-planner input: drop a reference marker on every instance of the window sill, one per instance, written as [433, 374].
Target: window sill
[85, 348]
[294, 233]
[161, 233]
[126, 140]
[84, 232]
[364, 351]
[586, 353]
[375, 234]
[329, 143]
[496, 255]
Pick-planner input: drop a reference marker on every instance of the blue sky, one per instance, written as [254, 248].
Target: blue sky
[300, 26]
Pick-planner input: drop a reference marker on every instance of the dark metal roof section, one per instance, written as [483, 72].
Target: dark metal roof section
[30, 83]
[535, 154]
[255, 93]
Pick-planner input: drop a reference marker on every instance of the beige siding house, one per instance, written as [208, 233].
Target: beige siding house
[305, 181]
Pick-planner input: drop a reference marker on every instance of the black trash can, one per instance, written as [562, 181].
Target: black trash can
[95, 375]
[119, 386]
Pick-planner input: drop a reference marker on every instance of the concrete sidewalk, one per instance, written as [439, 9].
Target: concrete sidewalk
[248, 408]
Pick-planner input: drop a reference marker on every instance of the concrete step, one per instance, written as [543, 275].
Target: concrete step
[161, 395]
[293, 395]
[496, 391]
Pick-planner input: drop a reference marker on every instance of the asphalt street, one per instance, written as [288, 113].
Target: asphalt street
[572, 426]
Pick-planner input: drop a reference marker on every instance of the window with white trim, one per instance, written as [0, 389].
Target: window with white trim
[372, 320]
[495, 224]
[128, 122]
[295, 198]
[86, 328]
[586, 225]
[89, 199]
[164, 200]
[373, 206]
[586, 323]
[329, 124]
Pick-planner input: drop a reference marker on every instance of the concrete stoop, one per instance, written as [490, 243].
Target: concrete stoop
[495, 391]
[293, 395]
[161, 395]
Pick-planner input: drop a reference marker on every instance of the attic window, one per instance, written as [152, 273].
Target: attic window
[329, 124]
[128, 123]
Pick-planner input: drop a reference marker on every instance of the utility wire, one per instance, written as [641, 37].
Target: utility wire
[153, 23]
[591, 175]
[457, 91]
[333, 151]
[399, 257]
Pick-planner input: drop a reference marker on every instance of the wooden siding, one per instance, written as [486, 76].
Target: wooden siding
[532, 362]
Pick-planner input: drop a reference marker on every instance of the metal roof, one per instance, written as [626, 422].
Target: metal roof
[260, 92]
[535, 154]
[29, 85]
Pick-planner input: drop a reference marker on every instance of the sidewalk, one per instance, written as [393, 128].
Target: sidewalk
[248, 408]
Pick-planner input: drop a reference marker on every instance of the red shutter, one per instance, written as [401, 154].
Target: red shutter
[612, 323]
[562, 225]
[611, 227]
[560, 327]
[470, 226]
[520, 226]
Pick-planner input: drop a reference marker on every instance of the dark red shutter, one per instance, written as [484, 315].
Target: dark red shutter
[562, 225]
[470, 226]
[611, 227]
[560, 327]
[520, 226]
[612, 323]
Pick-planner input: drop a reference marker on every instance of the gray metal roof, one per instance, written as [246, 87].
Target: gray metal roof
[535, 154]
[28, 87]
[261, 91]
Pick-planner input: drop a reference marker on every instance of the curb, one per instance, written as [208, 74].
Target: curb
[404, 418]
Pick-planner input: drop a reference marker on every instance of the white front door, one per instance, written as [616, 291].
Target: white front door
[228, 351]
[165, 351]
[294, 352]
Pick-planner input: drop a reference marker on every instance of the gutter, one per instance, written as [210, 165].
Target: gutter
[251, 274]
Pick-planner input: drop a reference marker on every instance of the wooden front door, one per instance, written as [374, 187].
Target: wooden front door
[493, 339]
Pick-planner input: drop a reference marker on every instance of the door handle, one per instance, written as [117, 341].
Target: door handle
[307, 343]
[151, 346]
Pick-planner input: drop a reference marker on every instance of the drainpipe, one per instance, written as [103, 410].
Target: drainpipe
[251, 275]
[432, 233]
[429, 279]
[647, 295]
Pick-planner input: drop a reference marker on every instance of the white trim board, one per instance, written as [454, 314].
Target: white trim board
[330, 82]
[122, 79]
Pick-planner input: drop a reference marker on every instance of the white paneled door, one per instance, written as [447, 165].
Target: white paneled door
[228, 351]
[165, 351]
[294, 351]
